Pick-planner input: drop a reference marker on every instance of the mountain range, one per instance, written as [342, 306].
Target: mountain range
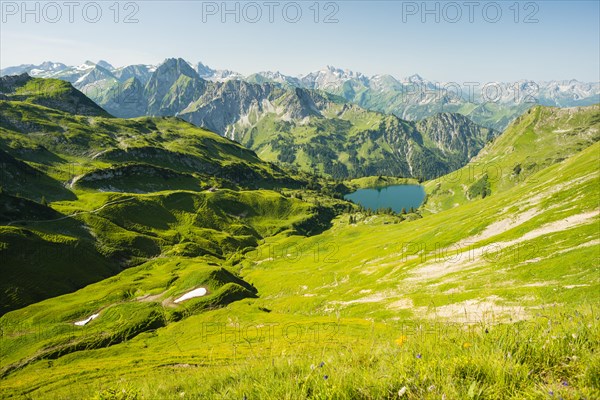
[310, 129]
[490, 104]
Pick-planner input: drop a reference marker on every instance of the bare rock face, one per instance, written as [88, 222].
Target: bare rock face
[455, 134]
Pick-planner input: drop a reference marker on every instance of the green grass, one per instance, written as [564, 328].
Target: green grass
[540, 138]
[52, 93]
[352, 288]
[101, 233]
[277, 357]
[494, 298]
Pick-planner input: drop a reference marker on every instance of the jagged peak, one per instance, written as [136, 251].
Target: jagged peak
[105, 64]
[179, 64]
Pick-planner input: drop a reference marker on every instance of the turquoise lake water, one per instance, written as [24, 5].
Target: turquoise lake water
[397, 197]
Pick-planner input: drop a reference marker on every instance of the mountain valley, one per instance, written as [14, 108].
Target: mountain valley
[488, 290]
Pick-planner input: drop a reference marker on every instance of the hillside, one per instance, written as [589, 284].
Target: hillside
[541, 137]
[494, 298]
[85, 196]
[292, 125]
[51, 93]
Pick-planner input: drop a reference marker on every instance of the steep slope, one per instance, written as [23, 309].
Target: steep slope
[18, 177]
[491, 104]
[320, 132]
[172, 87]
[87, 144]
[541, 137]
[455, 137]
[125, 99]
[51, 93]
[45, 253]
[140, 72]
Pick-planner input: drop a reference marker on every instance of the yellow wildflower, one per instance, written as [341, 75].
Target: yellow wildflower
[401, 340]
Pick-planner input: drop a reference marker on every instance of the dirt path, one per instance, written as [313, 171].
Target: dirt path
[74, 214]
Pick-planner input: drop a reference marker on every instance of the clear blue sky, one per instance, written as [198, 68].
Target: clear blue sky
[373, 37]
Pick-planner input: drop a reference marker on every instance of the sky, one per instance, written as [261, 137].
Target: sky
[457, 41]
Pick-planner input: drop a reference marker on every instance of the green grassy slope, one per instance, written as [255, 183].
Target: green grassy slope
[61, 144]
[541, 137]
[52, 93]
[84, 196]
[495, 298]
[101, 233]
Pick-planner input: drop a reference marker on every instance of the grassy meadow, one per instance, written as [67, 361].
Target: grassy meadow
[489, 291]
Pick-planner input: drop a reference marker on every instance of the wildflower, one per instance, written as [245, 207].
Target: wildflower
[321, 364]
[419, 355]
[402, 391]
[565, 383]
[401, 340]
[466, 345]
[325, 377]
[551, 393]
[574, 335]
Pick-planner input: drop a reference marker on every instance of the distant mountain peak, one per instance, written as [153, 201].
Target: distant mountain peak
[341, 71]
[178, 64]
[105, 64]
[173, 61]
[415, 78]
[51, 65]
